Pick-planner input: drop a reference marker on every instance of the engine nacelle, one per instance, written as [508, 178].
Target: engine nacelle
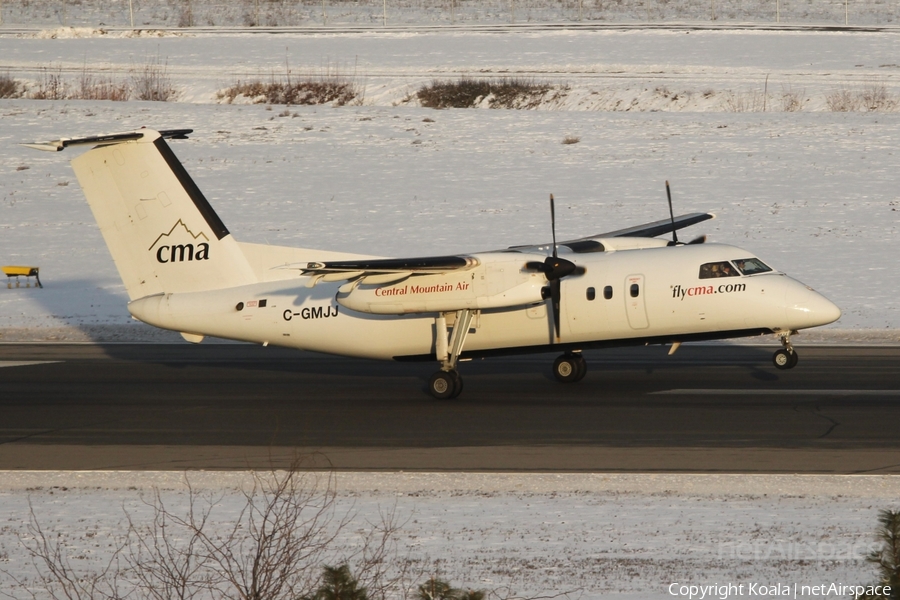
[497, 282]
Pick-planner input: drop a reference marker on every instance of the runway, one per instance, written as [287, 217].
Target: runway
[707, 409]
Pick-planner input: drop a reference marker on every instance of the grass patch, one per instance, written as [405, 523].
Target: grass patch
[571, 139]
[145, 82]
[752, 101]
[150, 81]
[873, 97]
[468, 92]
[9, 88]
[51, 85]
[92, 87]
[330, 88]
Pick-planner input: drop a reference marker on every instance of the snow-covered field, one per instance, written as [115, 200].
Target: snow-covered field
[593, 536]
[373, 13]
[813, 192]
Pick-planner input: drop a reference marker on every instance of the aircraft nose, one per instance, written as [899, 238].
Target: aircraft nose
[808, 308]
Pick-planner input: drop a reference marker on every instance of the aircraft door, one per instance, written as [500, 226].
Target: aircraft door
[635, 306]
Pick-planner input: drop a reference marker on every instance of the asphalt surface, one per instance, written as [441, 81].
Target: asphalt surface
[711, 408]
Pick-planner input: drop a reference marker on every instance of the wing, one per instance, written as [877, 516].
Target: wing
[384, 270]
[656, 228]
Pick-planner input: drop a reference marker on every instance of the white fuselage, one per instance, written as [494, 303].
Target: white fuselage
[653, 294]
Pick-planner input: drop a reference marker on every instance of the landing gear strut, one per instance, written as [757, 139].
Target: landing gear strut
[785, 358]
[570, 367]
[447, 383]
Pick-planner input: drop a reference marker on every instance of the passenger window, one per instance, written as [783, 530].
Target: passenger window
[607, 292]
[751, 266]
[718, 269]
[635, 290]
[591, 294]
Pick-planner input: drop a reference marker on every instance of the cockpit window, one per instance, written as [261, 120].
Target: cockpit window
[752, 266]
[718, 269]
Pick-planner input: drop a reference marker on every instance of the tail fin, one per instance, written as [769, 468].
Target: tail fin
[161, 231]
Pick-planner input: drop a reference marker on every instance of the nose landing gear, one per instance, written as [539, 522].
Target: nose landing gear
[785, 358]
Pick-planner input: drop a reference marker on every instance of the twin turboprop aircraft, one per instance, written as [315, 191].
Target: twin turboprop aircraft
[185, 272]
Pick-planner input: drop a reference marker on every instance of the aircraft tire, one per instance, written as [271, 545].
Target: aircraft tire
[444, 385]
[582, 367]
[566, 368]
[457, 384]
[784, 360]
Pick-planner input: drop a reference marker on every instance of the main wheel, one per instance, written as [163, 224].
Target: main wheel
[445, 384]
[569, 368]
[582, 367]
[782, 359]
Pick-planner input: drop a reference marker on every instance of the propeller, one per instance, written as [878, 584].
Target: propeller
[554, 268]
[697, 240]
[674, 241]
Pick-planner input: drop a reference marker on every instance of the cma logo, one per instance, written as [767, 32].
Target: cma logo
[168, 251]
[182, 252]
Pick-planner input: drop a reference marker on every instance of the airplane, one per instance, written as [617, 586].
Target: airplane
[183, 271]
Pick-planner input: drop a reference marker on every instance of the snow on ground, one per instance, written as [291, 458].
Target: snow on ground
[592, 535]
[811, 192]
[202, 13]
[606, 70]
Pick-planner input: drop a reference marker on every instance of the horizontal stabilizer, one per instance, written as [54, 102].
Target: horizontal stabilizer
[103, 140]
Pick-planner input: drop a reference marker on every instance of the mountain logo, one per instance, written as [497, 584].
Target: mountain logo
[167, 251]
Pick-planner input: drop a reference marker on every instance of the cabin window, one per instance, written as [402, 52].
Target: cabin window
[607, 292]
[591, 293]
[718, 269]
[751, 266]
[635, 290]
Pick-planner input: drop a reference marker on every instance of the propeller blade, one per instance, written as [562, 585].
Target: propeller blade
[553, 223]
[671, 214]
[555, 293]
[698, 240]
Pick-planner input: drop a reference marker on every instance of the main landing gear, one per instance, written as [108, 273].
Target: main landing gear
[447, 383]
[570, 367]
[785, 358]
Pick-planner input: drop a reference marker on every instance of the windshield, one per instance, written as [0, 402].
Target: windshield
[751, 266]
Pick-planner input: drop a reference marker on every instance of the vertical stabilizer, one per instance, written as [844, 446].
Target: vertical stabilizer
[161, 231]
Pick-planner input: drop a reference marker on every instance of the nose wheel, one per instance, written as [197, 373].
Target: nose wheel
[570, 367]
[786, 358]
